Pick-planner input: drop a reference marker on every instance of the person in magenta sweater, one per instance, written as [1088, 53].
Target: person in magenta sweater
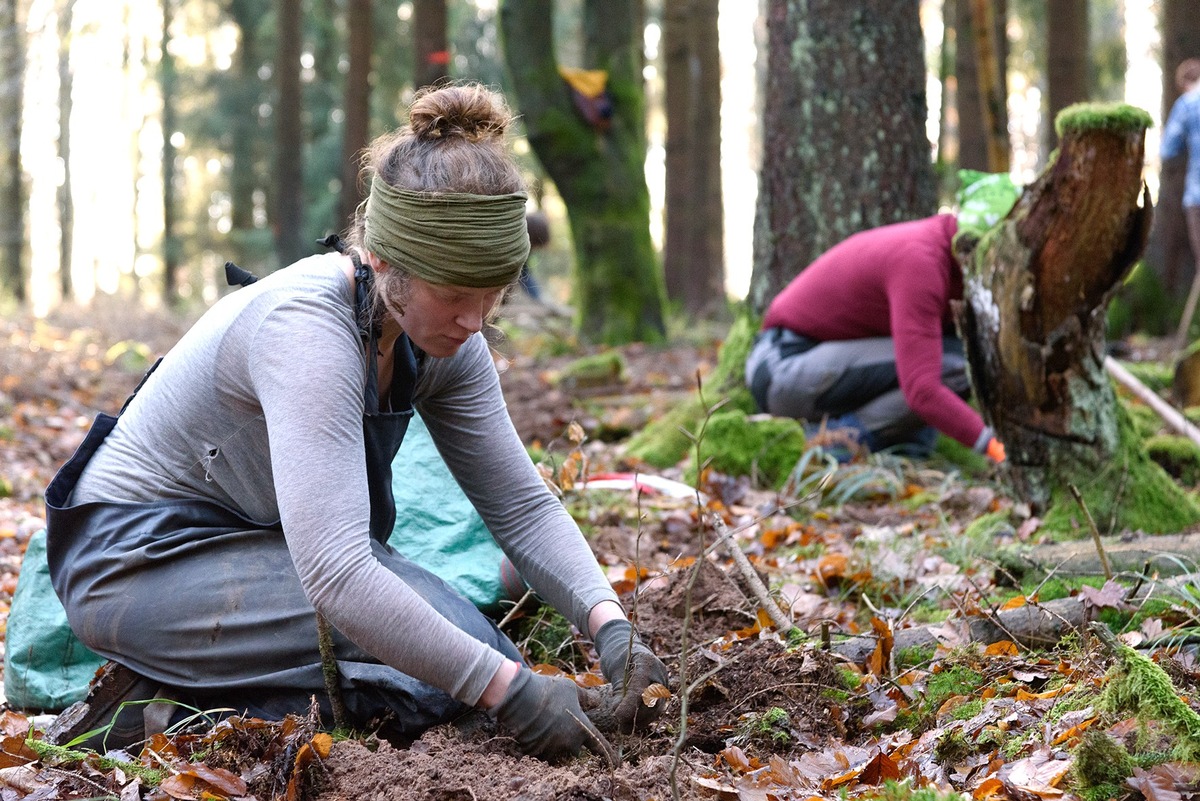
[863, 340]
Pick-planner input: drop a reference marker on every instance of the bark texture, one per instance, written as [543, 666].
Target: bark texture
[844, 144]
[694, 252]
[600, 174]
[1036, 291]
[972, 133]
[1067, 60]
[12, 189]
[429, 37]
[361, 41]
[289, 136]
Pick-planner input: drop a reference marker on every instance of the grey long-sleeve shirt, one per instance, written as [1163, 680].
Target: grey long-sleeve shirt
[259, 408]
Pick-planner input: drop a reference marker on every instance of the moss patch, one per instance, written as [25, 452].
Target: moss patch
[1179, 456]
[1116, 117]
[670, 439]
[1138, 686]
[764, 449]
[1126, 491]
[597, 370]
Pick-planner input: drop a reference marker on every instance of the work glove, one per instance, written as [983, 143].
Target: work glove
[995, 450]
[544, 716]
[631, 667]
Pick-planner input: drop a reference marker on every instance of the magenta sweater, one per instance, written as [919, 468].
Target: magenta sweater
[898, 281]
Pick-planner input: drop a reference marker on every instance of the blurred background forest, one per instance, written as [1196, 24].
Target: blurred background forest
[689, 154]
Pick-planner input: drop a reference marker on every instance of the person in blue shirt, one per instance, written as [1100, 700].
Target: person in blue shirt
[1182, 135]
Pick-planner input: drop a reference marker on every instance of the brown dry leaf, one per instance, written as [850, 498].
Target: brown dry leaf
[832, 566]
[575, 434]
[880, 769]
[23, 778]
[1002, 648]
[988, 788]
[1014, 603]
[724, 791]
[1111, 595]
[197, 778]
[654, 693]
[13, 724]
[1154, 785]
[736, 759]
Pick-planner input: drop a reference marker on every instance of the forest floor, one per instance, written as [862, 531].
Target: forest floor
[888, 685]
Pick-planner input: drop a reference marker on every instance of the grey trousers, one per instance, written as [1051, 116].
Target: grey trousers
[848, 377]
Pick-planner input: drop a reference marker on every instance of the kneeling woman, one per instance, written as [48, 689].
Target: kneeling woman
[247, 484]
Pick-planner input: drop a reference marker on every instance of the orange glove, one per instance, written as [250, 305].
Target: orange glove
[995, 450]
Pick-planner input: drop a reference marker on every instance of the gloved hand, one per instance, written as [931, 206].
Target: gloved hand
[995, 450]
[544, 716]
[631, 667]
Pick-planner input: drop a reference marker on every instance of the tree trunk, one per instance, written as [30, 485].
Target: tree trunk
[1169, 252]
[12, 185]
[694, 252]
[66, 205]
[289, 136]
[972, 133]
[600, 174]
[1067, 62]
[167, 76]
[431, 48]
[844, 144]
[1033, 322]
[357, 104]
[992, 78]
[245, 175]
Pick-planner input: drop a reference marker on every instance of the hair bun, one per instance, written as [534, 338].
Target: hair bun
[469, 111]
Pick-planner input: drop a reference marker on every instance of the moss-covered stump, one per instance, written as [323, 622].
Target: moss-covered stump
[670, 439]
[763, 448]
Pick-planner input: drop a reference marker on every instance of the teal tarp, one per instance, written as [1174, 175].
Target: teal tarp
[47, 668]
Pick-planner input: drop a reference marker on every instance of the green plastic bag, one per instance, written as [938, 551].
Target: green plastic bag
[984, 199]
[439, 529]
[46, 667]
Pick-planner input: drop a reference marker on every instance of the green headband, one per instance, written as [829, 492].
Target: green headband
[457, 238]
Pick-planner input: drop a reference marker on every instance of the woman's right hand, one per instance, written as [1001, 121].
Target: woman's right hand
[544, 716]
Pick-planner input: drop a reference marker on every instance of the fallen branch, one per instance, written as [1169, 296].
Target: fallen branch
[724, 535]
[1167, 555]
[1169, 414]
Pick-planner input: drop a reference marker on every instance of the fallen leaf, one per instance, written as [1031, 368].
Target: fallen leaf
[1153, 785]
[1002, 648]
[654, 693]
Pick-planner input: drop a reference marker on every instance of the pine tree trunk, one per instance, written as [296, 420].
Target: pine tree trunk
[64, 201]
[431, 48]
[600, 174]
[357, 105]
[1169, 252]
[694, 252]
[12, 188]
[972, 133]
[844, 143]
[1067, 61]
[1033, 319]
[167, 75]
[289, 136]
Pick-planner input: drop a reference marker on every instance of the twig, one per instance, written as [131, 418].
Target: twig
[781, 621]
[329, 671]
[1108, 574]
[1170, 415]
[517, 607]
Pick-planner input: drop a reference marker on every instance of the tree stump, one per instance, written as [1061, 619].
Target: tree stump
[1036, 289]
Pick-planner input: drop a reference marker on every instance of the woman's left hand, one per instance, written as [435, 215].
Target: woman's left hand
[631, 667]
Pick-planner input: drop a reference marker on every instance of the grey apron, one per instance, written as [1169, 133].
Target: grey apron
[196, 596]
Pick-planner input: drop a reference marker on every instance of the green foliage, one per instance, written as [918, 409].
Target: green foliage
[1136, 685]
[772, 726]
[903, 791]
[954, 680]
[61, 755]
[1145, 421]
[1142, 305]
[766, 450]
[1116, 117]
[987, 526]
[546, 637]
